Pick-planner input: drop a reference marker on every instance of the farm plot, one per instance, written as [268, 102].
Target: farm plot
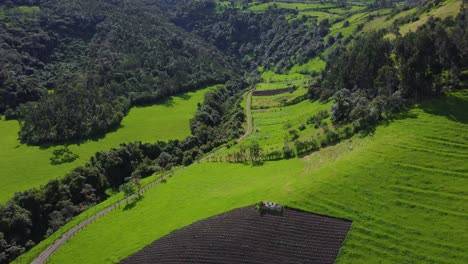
[261, 102]
[245, 236]
[273, 125]
[272, 92]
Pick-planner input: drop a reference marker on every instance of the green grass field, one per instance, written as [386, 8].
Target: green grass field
[23, 167]
[272, 86]
[354, 22]
[278, 100]
[272, 125]
[270, 76]
[314, 65]
[295, 6]
[320, 15]
[405, 189]
[449, 8]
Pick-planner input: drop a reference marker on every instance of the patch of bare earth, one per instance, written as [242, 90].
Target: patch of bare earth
[245, 236]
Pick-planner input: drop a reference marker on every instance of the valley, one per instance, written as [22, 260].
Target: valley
[347, 110]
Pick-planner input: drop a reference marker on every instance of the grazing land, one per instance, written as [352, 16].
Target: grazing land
[169, 120]
[245, 236]
[277, 100]
[449, 8]
[403, 209]
[273, 124]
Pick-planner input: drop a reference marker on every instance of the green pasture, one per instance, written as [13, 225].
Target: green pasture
[279, 99]
[23, 167]
[271, 76]
[314, 65]
[404, 187]
[449, 8]
[273, 124]
[295, 6]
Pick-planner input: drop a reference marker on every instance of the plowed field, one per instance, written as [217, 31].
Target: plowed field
[244, 236]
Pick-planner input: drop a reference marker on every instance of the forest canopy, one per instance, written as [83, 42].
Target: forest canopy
[76, 67]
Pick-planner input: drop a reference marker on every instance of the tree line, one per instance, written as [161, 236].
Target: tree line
[33, 215]
[373, 76]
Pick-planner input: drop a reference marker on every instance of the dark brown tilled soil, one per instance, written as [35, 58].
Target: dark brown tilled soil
[244, 236]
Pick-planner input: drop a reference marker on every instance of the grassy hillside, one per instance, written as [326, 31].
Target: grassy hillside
[404, 189]
[272, 125]
[449, 8]
[169, 120]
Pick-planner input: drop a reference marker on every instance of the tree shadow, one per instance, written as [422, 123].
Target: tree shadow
[252, 164]
[133, 202]
[78, 142]
[184, 96]
[451, 106]
[168, 102]
[258, 163]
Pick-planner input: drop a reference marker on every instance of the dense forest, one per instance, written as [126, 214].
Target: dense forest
[373, 77]
[35, 214]
[91, 61]
[255, 39]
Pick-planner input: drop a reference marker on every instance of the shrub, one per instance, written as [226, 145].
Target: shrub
[288, 152]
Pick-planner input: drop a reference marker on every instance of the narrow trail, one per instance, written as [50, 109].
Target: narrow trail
[49, 251]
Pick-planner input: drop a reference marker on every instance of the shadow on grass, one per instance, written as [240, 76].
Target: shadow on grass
[133, 202]
[78, 142]
[451, 106]
[251, 164]
[184, 96]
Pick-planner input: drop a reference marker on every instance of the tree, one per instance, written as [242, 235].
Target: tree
[128, 189]
[342, 106]
[341, 3]
[255, 152]
[288, 152]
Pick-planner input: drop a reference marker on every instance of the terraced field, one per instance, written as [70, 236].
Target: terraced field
[272, 125]
[245, 236]
[261, 102]
[404, 189]
[146, 124]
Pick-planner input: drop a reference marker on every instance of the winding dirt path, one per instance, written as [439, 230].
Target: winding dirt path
[49, 251]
